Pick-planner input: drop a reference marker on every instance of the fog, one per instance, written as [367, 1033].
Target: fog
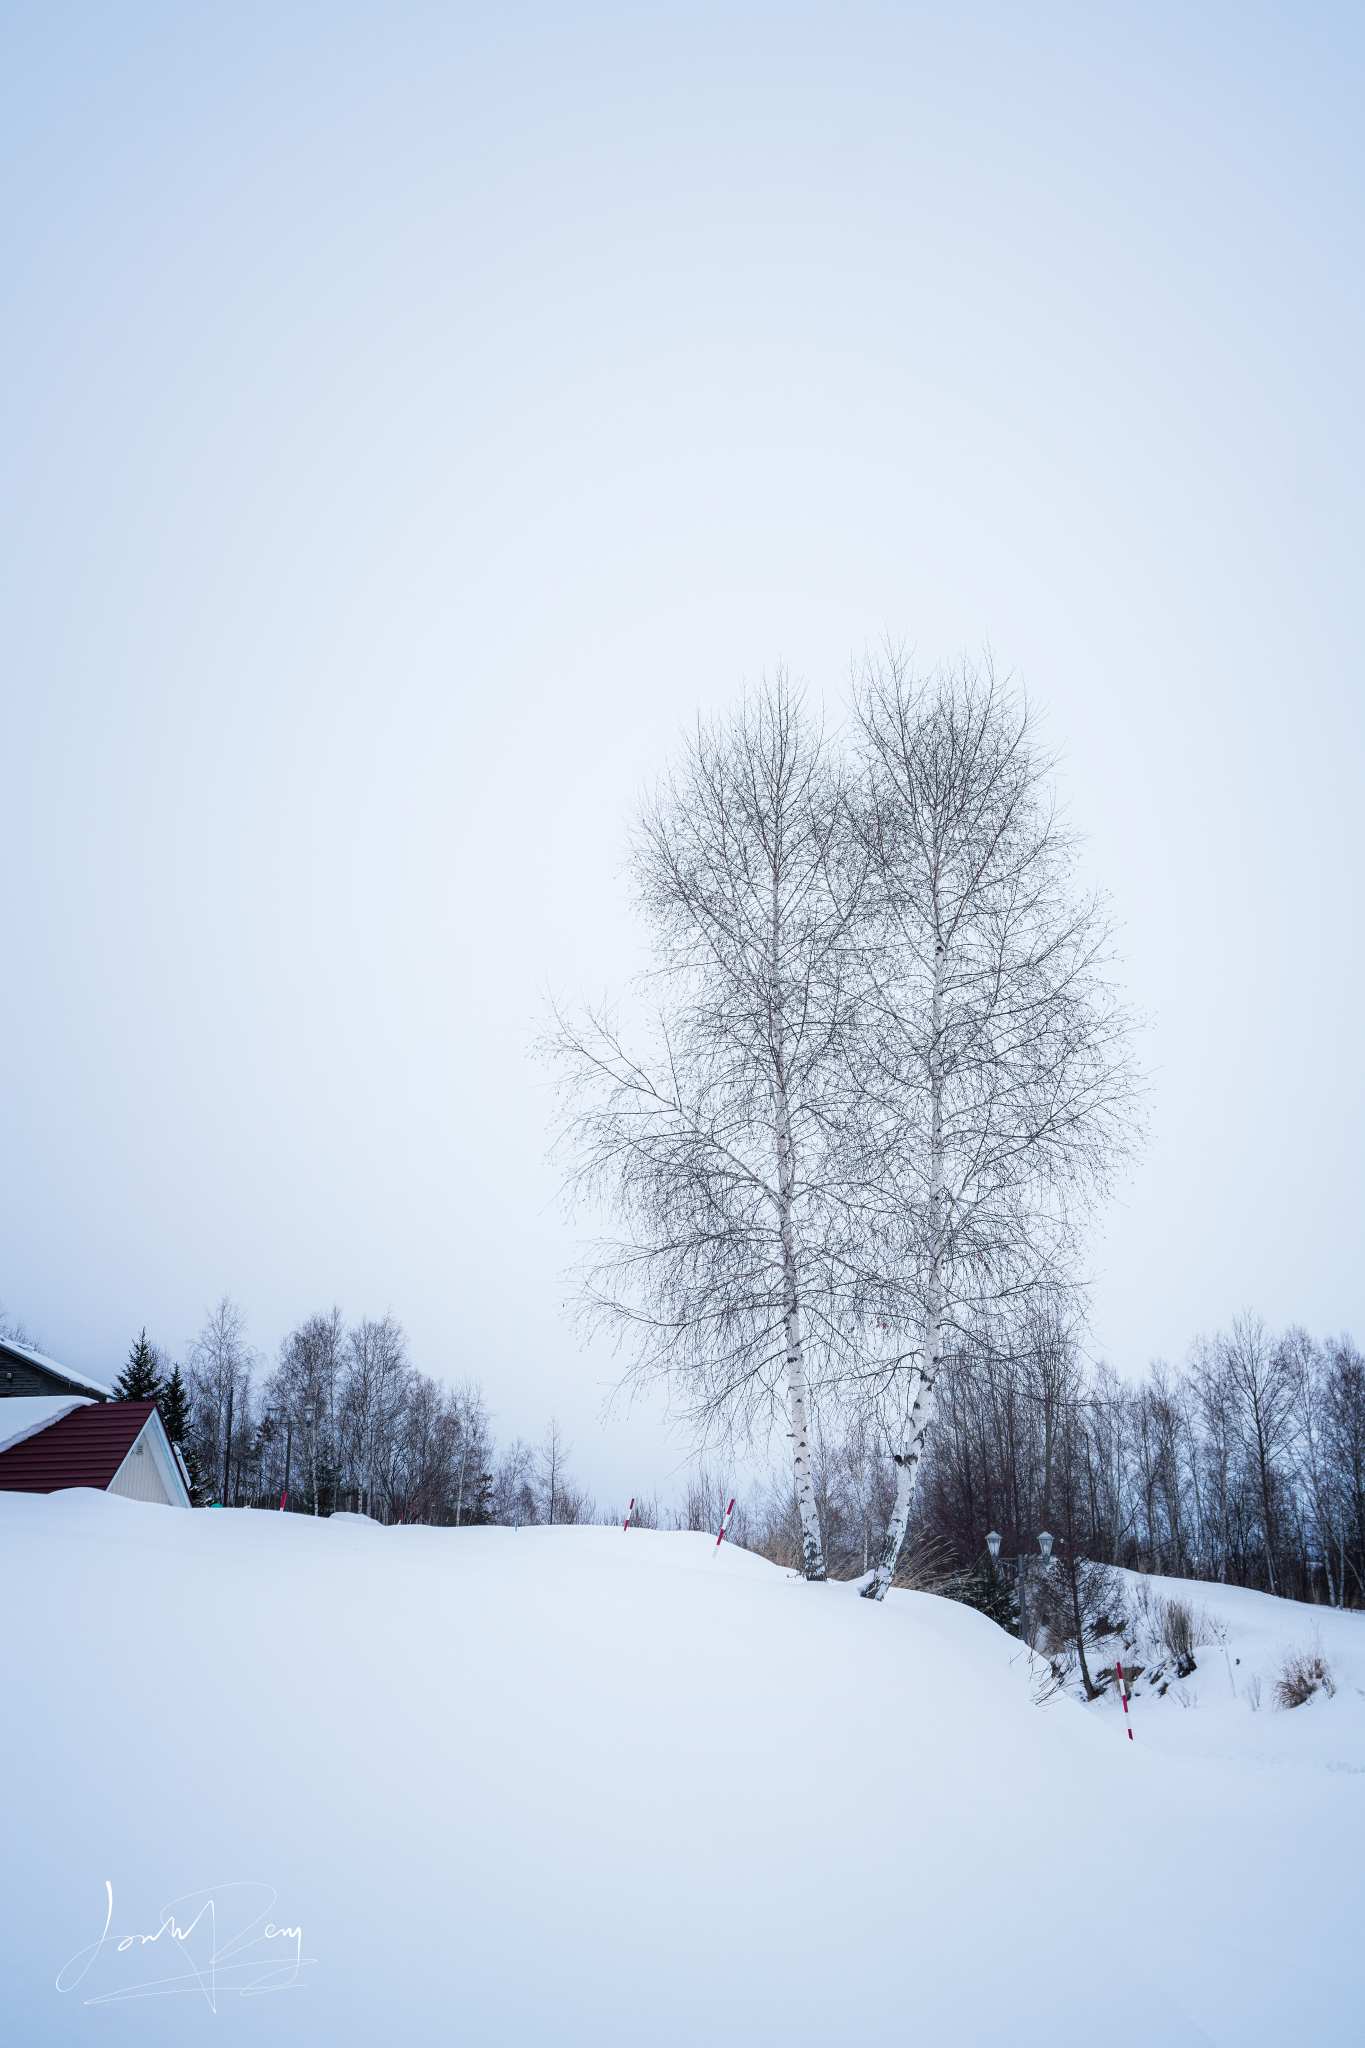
[411, 418]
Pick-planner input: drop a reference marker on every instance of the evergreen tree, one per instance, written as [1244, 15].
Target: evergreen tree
[174, 1399]
[987, 1588]
[194, 1469]
[140, 1379]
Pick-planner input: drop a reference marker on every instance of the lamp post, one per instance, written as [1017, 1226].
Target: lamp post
[264, 1435]
[227, 1453]
[1020, 1562]
[1045, 1547]
[313, 1449]
[993, 1545]
[267, 1435]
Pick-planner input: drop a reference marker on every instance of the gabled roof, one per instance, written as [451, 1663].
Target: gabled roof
[79, 1382]
[84, 1448]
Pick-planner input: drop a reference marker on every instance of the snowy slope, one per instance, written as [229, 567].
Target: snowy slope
[570, 1786]
[1223, 1711]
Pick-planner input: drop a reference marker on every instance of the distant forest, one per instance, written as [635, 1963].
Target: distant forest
[1246, 1464]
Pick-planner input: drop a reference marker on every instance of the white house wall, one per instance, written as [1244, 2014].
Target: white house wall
[137, 1477]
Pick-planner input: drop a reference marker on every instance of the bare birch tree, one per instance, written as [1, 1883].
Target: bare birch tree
[14, 1331]
[375, 1385]
[1262, 1378]
[305, 1385]
[1304, 1363]
[554, 1456]
[714, 1138]
[996, 1081]
[220, 1368]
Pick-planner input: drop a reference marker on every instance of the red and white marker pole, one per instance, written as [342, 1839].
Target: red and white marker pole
[283, 1498]
[1123, 1695]
[726, 1523]
[629, 1512]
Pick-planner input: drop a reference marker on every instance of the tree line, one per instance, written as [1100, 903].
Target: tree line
[1245, 1465]
[342, 1420]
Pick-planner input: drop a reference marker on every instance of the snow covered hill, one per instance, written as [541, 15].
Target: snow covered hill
[569, 1786]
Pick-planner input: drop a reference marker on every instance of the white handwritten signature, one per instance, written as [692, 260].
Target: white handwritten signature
[222, 1937]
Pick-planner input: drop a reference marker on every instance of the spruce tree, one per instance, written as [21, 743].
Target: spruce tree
[194, 1469]
[174, 1400]
[140, 1380]
[987, 1588]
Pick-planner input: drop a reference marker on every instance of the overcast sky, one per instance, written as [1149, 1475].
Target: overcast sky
[409, 417]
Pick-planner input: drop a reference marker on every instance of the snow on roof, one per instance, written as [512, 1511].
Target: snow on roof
[65, 1372]
[25, 1414]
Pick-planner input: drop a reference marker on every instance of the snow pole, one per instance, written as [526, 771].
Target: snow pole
[283, 1498]
[1123, 1695]
[629, 1512]
[726, 1523]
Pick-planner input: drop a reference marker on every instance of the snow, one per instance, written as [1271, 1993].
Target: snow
[1224, 1711]
[77, 1379]
[24, 1415]
[575, 1785]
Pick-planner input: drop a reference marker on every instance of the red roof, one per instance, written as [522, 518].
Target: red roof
[85, 1448]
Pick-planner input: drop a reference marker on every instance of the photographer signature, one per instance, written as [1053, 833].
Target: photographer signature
[219, 1940]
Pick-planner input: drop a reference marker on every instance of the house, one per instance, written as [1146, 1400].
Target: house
[24, 1371]
[50, 1441]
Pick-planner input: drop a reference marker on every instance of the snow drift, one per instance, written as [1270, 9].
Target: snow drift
[572, 1786]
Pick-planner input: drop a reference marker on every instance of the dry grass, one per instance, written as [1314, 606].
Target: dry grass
[1177, 1628]
[926, 1565]
[1303, 1673]
[1182, 1630]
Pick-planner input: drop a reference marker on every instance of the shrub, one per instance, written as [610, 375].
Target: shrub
[1303, 1673]
[1177, 1629]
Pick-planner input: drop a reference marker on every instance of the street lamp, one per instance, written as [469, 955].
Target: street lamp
[313, 1448]
[288, 1452]
[993, 1542]
[255, 1459]
[1045, 1547]
[269, 1431]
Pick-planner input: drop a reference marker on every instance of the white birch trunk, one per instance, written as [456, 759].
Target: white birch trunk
[812, 1549]
[921, 1413]
[907, 1460]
